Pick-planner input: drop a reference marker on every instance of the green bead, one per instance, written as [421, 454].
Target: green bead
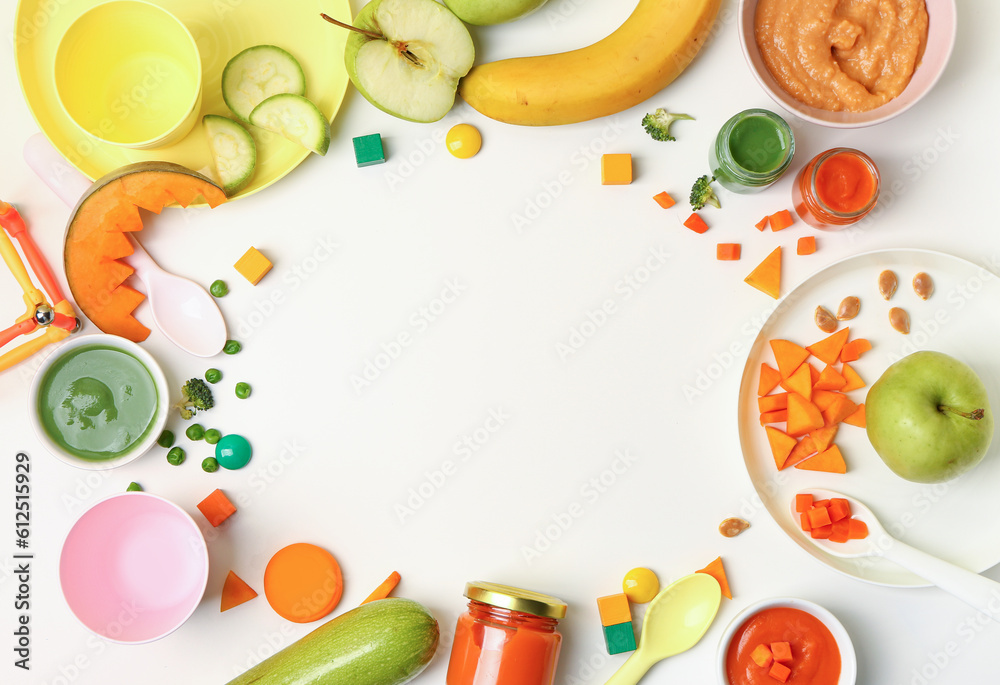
[166, 439]
[219, 289]
[133, 487]
[243, 390]
[212, 436]
[176, 456]
[233, 451]
[213, 375]
[195, 431]
[210, 465]
[232, 347]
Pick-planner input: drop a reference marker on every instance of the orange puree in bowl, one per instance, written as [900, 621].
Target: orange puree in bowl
[815, 656]
[841, 55]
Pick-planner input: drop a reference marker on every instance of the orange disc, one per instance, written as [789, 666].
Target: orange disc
[303, 582]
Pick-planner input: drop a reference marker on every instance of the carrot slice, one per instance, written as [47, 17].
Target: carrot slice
[788, 356]
[830, 379]
[781, 445]
[772, 402]
[664, 200]
[858, 530]
[696, 223]
[830, 460]
[384, 588]
[762, 224]
[766, 276]
[806, 245]
[800, 381]
[781, 220]
[857, 418]
[769, 379]
[717, 571]
[727, 252]
[803, 415]
[854, 381]
[841, 531]
[776, 416]
[235, 591]
[828, 349]
[853, 350]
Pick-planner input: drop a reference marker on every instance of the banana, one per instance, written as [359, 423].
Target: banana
[648, 51]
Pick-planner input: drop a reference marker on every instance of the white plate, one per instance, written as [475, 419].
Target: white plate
[962, 318]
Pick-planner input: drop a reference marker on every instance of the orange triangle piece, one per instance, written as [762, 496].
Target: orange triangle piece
[781, 445]
[805, 448]
[800, 381]
[830, 379]
[824, 398]
[766, 277]
[716, 570]
[857, 418]
[788, 356]
[772, 402]
[823, 437]
[828, 349]
[854, 381]
[829, 460]
[803, 415]
[235, 591]
[769, 379]
[839, 410]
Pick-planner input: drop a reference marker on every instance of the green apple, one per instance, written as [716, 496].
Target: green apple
[928, 417]
[406, 57]
[489, 12]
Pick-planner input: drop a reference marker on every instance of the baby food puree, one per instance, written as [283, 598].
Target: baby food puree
[815, 655]
[842, 55]
[97, 402]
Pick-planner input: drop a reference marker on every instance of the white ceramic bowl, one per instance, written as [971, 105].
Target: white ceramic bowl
[940, 41]
[848, 658]
[118, 343]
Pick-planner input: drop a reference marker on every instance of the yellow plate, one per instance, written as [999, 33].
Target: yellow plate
[222, 28]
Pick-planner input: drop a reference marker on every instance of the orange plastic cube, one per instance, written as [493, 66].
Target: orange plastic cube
[253, 265]
[616, 169]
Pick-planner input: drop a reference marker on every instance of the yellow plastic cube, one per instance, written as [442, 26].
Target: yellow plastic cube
[614, 609]
[616, 169]
[253, 265]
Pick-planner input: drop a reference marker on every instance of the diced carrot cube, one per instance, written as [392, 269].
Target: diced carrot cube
[822, 532]
[781, 651]
[779, 672]
[772, 402]
[819, 516]
[821, 503]
[769, 379]
[216, 507]
[841, 531]
[761, 655]
[803, 502]
[781, 220]
[727, 252]
[806, 245]
[858, 530]
[664, 200]
[804, 522]
[839, 508]
[696, 223]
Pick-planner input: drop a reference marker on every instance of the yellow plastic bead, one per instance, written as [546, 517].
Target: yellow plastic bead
[463, 141]
[640, 585]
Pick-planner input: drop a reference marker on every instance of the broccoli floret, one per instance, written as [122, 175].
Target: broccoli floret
[658, 123]
[196, 396]
[702, 193]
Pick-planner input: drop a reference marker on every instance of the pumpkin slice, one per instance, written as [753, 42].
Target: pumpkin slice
[766, 277]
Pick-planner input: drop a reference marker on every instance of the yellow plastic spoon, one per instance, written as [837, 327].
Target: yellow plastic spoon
[675, 621]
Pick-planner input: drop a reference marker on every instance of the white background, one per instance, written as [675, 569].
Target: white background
[332, 464]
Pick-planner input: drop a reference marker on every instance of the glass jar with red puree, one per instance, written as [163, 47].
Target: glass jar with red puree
[815, 656]
[836, 188]
[508, 636]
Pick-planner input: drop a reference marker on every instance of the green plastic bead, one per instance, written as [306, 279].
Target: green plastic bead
[213, 436]
[232, 347]
[133, 487]
[213, 375]
[166, 439]
[210, 465]
[243, 390]
[218, 288]
[233, 451]
[176, 456]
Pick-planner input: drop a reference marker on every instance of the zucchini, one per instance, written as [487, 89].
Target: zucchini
[385, 642]
[256, 74]
[295, 118]
[234, 154]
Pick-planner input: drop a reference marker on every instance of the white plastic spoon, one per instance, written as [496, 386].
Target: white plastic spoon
[184, 311]
[977, 591]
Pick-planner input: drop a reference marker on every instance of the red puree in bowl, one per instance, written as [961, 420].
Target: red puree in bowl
[815, 656]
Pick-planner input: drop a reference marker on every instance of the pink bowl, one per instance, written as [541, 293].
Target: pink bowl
[940, 41]
[133, 567]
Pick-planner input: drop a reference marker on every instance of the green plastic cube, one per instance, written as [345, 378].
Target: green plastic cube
[368, 150]
[619, 638]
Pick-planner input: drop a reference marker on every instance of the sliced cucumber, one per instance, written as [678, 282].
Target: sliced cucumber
[234, 154]
[295, 118]
[256, 74]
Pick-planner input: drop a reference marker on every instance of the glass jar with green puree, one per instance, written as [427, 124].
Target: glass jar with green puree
[97, 402]
[752, 150]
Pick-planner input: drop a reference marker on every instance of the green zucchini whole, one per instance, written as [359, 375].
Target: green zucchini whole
[385, 642]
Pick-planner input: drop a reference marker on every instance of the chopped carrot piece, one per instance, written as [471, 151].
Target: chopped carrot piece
[727, 252]
[788, 356]
[839, 410]
[717, 571]
[772, 402]
[803, 502]
[766, 276]
[235, 591]
[853, 350]
[664, 200]
[821, 503]
[840, 531]
[773, 416]
[384, 588]
[761, 655]
[806, 245]
[781, 445]
[781, 220]
[769, 379]
[829, 460]
[830, 379]
[696, 223]
[824, 398]
[803, 415]
[828, 349]
[822, 532]
[800, 381]
[823, 437]
[781, 651]
[839, 508]
[858, 530]
[854, 381]
[803, 450]
[779, 672]
[818, 516]
[804, 522]
[762, 224]
[857, 418]
[216, 507]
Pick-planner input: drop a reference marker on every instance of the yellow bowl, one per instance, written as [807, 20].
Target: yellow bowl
[128, 73]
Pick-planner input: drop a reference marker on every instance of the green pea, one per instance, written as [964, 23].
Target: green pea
[175, 456]
[195, 431]
[213, 436]
[213, 375]
[218, 289]
[243, 390]
[210, 465]
[232, 347]
[166, 439]
[133, 487]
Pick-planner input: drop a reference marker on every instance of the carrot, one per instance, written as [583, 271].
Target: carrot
[840, 531]
[772, 402]
[762, 224]
[788, 356]
[235, 591]
[781, 651]
[828, 349]
[806, 245]
[779, 672]
[803, 502]
[858, 530]
[829, 460]
[776, 416]
[766, 276]
[781, 445]
[781, 220]
[769, 379]
[830, 379]
[854, 381]
[804, 449]
[822, 533]
[664, 200]
[216, 507]
[840, 409]
[717, 571]
[727, 252]
[696, 223]
[823, 437]
[857, 418]
[384, 588]
[839, 509]
[841, 527]
[761, 655]
[800, 381]
[803, 415]
[818, 516]
[853, 350]
[824, 398]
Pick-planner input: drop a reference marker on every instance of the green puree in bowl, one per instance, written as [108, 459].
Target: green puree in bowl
[97, 402]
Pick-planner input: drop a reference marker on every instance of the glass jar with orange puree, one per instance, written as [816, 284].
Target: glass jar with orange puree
[836, 188]
[508, 636]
